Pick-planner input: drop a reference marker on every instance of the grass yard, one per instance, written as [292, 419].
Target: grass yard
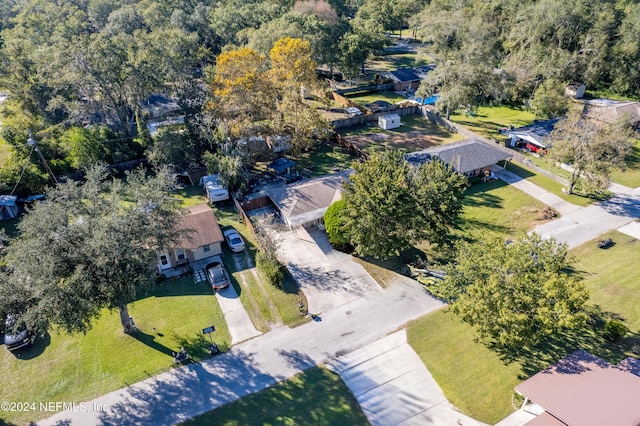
[325, 159]
[316, 396]
[488, 119]
[415, 133]
[612, 276]
[366, 98]
[5, 150]
[267, 306]
[191, 195]
[631, 176]
[549, 184]
[394, 61]
[76, 368]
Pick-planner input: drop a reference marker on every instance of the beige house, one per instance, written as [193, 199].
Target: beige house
[203, 241]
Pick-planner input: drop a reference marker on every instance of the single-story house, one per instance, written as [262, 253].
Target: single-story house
[214, 189]
[281, 165]
[305, 203]
[204, 240]
[583, 390]
[389, 121]
[608, 111]
[470, 157]
[534, 137]
[409, 78]
[8, 207]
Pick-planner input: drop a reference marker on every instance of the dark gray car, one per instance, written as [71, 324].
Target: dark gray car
[15, 340]
[217, 276]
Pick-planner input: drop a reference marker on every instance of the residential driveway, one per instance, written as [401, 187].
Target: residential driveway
[588, 223]
[394, 387]
[187, 391]
[240, 325]
[329, 278]
[551, 200]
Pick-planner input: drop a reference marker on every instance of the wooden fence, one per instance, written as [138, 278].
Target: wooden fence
[370, 88]
[349, 147]
[359, 120]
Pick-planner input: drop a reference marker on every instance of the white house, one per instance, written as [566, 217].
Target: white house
[389, 121]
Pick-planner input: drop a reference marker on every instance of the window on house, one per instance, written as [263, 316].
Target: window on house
[180, 254]
[206, 248]
[164, 260]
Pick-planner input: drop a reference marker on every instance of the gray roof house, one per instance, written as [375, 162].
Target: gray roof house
[470, 157]
[409, 78]
[304, 203]
[536, 133]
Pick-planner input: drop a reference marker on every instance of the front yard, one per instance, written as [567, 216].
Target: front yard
[316, 396]
[60, 367]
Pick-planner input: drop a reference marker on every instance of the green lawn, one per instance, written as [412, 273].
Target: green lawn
[612, 276]
[5, 150]
[488, 119]
[394, 61]
[631, 176]
[325, 159]
[367, 98]
[67, 368]
[549, 184]
[315, 397]
[191, 195]
[267, 306]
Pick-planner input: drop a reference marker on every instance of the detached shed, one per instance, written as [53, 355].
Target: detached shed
[8, 207]
[389, 121]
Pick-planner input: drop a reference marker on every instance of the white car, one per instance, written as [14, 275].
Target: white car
[234, 240]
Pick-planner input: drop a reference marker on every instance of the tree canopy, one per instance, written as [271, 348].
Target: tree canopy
[516, 293]
[388, 206]
[89, 246]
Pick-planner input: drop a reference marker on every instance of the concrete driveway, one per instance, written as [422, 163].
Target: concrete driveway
[394, 387]
[240, 325]
[329, 278]
[585, 224]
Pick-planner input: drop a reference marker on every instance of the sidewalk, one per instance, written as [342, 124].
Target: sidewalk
[551, 200]
[187, 391]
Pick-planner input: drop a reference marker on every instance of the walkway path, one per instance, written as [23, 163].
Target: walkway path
[551, 200]
[240, 325]
[394, 387]
[184, 392]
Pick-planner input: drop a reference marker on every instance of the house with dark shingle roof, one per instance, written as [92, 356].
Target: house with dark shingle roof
[409, 78]
[582, 389]
[202, 240]
[470, 157]
[535, 136]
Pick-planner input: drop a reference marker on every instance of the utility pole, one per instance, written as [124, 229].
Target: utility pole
[32, 142]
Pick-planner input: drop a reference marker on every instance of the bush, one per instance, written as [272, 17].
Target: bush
[270, 267]
[333, 224]
[614, 330]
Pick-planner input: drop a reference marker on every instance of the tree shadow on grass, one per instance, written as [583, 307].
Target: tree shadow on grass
[34, 350]
[181, 287]
[150, 340]
[483, 199]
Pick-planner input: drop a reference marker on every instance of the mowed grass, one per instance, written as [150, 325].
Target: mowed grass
[612, 276]
[496, 209]
[325, 159]
[268, 306]
[367, 98]
[489, 119]
[394, 61]
[631, 175]
[472, 377]
[316, 396]
[549, 184]
[60, 367]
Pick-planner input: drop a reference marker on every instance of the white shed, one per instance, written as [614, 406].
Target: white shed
[389, 121]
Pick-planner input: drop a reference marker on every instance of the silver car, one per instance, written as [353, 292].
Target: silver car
[234, 240]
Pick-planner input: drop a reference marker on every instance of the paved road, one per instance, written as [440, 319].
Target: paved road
[588, 223]
[394, 387]
[184, 392]
[328, 278]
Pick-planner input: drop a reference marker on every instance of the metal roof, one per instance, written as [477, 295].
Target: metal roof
[582, 389]
[464, 156]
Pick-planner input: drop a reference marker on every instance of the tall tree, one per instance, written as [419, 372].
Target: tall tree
[549, 100]
[90, 246]
[388, 207]
[514, 294]
[591, 148]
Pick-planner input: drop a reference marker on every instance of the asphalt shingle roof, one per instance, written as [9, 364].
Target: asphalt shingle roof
[464, 156]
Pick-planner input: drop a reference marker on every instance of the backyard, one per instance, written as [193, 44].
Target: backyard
[480, 381]
[316, 396]
[60, 367]
[487, 120]
[414, 134]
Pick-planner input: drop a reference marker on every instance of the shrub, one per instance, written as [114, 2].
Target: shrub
[333, 223]
[614, 330]
[270, 267]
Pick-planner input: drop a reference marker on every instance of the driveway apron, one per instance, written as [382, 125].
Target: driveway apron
[240, 325]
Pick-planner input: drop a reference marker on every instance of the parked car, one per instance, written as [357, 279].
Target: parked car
[234, 240]
[217, 276]
[605, 244]
[15, 340]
